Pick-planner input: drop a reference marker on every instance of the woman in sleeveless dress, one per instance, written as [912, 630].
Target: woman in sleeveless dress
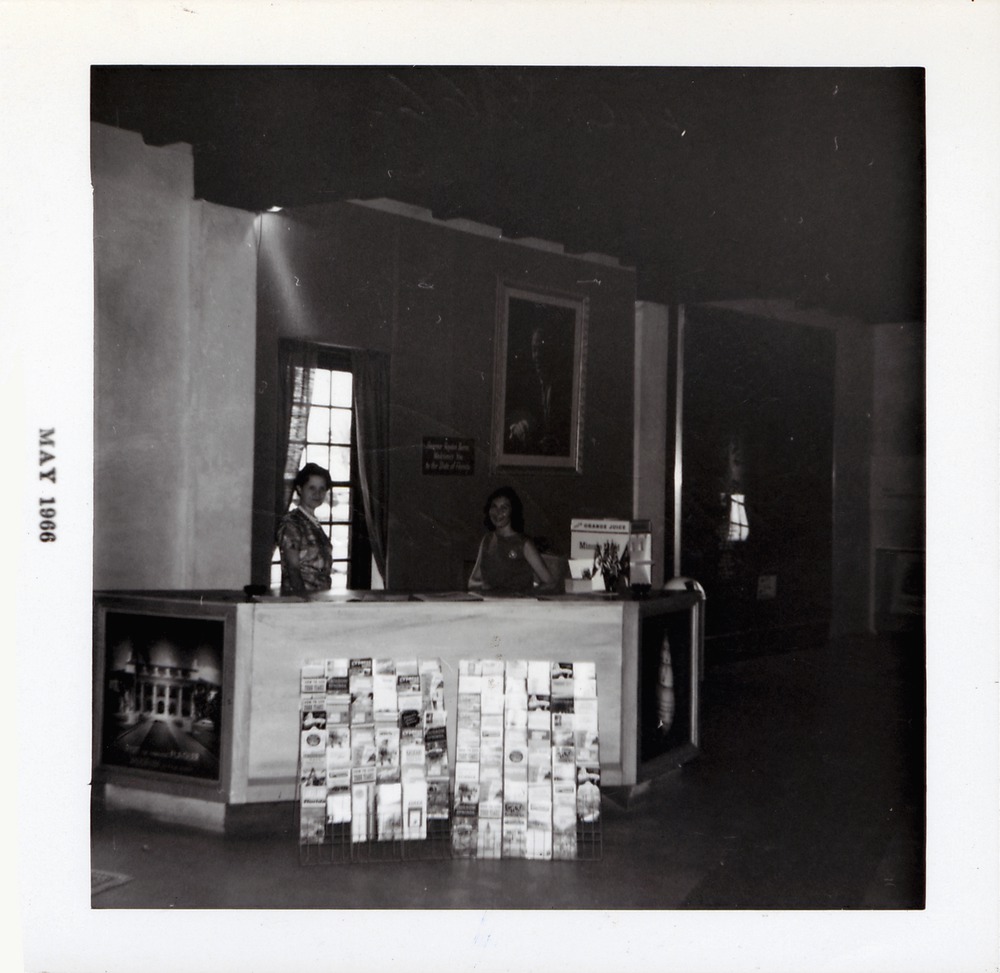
[508, 562]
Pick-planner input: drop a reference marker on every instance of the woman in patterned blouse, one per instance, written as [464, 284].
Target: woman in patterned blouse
[306, 552]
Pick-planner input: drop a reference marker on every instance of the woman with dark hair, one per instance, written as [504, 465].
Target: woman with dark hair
[306, 552]
[507, 563]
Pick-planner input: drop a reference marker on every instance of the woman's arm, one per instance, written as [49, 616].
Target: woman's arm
[476, 578]
[533, 558]
[291, 574]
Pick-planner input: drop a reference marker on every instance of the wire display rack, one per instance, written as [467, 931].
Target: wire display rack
[526, 784]
[589, 843]
[338, 848]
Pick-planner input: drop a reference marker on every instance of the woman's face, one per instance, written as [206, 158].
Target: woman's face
[312, 493]
[500, 512]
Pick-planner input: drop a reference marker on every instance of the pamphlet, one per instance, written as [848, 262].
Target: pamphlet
[338, 805]
[431, 689]
[563, 824]
[489, 838]
[313, 717]
[363, 745]
[312, 822]
[313, 743]
[362, 701]
[412, 762]
[470, 683]
[338, 746]
[539, 675]
[438, 797]
[361, 799]
[389, 810]
[563, 763]
[562, 729]
[464, 835]
[516, 671]
[491, 797]
[358, 668]
[588, 794]
[414, 809]
[515, 751]
[312, 779]
[313, 678]
[386, 752]
[411, 734]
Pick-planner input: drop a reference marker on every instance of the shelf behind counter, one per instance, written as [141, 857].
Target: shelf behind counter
[267, 639]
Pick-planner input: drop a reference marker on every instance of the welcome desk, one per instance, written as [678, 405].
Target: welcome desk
[196, 694]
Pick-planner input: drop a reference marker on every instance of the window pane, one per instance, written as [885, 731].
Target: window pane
[318, 429]
[317, 454]
[341, 497]
[322, 513]
[321, 387]
[340, 426]
[339, 576]
[340, 463]
[339, 537]
[340, 388]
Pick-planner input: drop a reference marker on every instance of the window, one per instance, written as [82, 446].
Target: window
[739, 529]
[330, 443]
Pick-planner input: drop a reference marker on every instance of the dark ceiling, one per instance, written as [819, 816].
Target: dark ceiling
[715, 183]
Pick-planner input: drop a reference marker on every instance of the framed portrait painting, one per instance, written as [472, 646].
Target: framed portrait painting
[540, 364]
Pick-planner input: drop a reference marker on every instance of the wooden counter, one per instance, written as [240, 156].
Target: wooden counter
[267, 641]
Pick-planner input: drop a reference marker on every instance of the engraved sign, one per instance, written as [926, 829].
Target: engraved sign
[448, 457]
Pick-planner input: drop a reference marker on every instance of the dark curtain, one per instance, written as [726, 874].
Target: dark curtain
[371, 418]
[295, 375]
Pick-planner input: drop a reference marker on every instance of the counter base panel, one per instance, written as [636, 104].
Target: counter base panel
[285, 636]
[172, 808]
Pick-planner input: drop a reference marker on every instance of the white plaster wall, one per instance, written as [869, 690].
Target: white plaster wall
[174, 347]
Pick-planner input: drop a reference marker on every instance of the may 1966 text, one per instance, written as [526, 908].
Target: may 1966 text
[47, 505]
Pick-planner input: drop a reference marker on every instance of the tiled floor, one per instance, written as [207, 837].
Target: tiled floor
[809, 793]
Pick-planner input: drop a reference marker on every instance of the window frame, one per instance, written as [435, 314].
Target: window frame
[359, 552]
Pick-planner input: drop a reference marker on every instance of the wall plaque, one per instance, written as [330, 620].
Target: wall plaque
[448, 457]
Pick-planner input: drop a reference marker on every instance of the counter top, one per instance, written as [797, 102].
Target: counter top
[227, 596]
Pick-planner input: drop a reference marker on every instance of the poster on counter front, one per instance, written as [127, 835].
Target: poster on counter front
[163, 694]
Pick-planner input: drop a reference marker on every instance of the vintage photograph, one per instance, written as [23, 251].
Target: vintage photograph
[619, 348]
[369, 343]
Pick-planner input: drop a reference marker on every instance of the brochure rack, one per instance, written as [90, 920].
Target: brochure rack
[375, 779]
[373, 761]
[337, 848]
[589, 846]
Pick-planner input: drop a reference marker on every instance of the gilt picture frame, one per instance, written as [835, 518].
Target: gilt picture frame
[540, 365]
